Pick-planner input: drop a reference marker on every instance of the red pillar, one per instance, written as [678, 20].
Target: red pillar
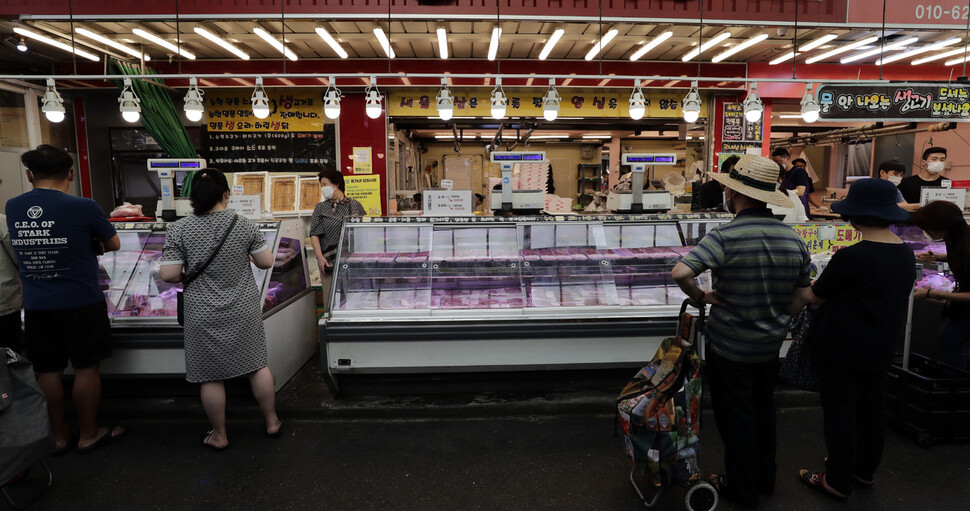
[83, 163]
[355, 129]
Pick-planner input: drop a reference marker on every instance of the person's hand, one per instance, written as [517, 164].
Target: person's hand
[322, 263]
[709, 298]
[928, 256]
[921, 293]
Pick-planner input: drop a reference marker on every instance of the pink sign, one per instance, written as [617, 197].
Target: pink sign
[909, 12]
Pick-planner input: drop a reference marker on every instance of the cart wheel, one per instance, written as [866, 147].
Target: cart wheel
[701, 497]
[924, 441]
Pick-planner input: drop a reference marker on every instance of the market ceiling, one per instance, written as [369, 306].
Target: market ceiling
[239, 43]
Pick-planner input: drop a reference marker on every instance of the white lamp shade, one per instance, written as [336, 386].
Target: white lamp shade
[550, 114]
[446, 113]
[691, 116]
[810, 115]
[131, 115]
[331, 109]
[753, 115]
[54, 115]
[193, 115]
[260, 111]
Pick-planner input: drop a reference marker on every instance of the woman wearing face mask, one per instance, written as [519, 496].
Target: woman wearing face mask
[328, 218]
[934, 162]
[944, 220]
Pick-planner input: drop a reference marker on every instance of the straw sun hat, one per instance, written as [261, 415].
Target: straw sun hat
[755, 177]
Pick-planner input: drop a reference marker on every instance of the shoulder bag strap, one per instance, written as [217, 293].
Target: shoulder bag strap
[192, 276]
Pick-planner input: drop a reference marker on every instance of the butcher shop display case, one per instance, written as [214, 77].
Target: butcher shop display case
[482, 294]
[142, 307]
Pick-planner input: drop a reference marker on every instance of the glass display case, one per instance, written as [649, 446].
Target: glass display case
[135, 294]
[532, 266]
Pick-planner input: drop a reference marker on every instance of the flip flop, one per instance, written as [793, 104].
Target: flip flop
[68, 447]
[816, 480]
[210, 446]
[278, 433]
[108, 437]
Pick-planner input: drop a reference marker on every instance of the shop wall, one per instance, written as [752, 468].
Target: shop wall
[355, 129]
[564, 159]
[101, 113]
[686, 153]
[958, 155]
[896, 147]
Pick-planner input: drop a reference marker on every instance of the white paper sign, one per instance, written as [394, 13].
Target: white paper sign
[447, 184]
[238, 189]
[957, 196]
[248, 206]
[448, 203]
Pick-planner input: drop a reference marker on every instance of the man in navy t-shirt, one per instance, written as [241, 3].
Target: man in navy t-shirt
[55, 237]
[795, 178]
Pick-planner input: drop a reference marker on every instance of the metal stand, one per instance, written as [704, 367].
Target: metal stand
[5, 488]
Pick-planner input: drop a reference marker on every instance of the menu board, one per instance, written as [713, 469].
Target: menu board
[294, 151]
[733, 122]
[738, 135]
[309, 191]
[928, 102]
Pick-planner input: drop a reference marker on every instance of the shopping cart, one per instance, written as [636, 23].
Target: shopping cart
[25, 433]
[660, 413]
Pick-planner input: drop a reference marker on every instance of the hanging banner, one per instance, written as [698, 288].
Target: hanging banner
[911, 102]
[366, 190]
[827, 238]
[527, 102]
[275, 152]
[288, 111]
[938, 13]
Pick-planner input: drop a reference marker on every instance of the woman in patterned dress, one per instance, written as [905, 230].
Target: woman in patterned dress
[224, 336]
[328, 218]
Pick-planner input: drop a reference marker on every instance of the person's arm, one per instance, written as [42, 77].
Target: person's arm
[171, 272]
[259, 251]
[357, 209]
[103, 230]
[813, 202]
[112, 244]
[322, 262]
[803, 297]
[263, 259]
[172, 266]
[684, 277]
[924, 293]
[931, 257]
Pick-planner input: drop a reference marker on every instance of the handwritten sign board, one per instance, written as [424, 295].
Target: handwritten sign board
[294, 151]
[911, 102]
[248, 206]
[444, 202]
[733, 122]
[362, 160]
[821, 238]
[739, 135]
[232, 110]
[957, 196]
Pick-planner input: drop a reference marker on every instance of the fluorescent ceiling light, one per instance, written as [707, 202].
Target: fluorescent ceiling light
[57, 44]
[651, 45]
[269, 38]
[916, 51]
[842, 49]
[818, 42]
[222, 42]
[493, 44]
[384, 42]
[114, 44]
[334, 45]
[551, 43]
[706, 46]
[607, 37]
[788, 56]
[939, 56]
[442, 42]
[547, 137]
[790, 116]
[162, 42]
[597, 137]
[876, 51]
[747, 44]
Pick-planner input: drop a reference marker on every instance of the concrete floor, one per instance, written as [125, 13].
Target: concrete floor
[554, 462]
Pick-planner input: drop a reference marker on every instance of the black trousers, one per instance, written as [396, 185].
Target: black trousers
[854, 405]
[11, 331]
[744, 409]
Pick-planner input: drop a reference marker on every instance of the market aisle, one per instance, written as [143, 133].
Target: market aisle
[489, 464]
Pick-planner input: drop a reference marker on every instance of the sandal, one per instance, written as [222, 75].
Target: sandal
[278, 433]
[862, 482]
[108, 437]
[68, 447]
[816, 480]
[210, 446]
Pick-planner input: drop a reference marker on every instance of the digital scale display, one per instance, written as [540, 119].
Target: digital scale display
[164, 164]
[499, 157]
[656, 159]
[189, 165]
[176, 164]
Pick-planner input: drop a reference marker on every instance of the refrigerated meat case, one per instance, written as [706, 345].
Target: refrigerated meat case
[486, 294]
[147, 339]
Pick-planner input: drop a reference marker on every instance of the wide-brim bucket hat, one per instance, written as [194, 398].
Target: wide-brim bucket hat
[874, 198]
[756, 177]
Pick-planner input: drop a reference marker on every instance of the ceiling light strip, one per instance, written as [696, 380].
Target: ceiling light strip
[706, 46]
[226, 45]
[740, 47]
[939, 56]
[57, 44]
[493, 44]
[551, 43]
[607, 37]
[878, 50]
[384, 42]
[651, 45]
[277, 45]
[842, 49]
[334, 45]
[917, 51]
[114, 44]
[442, 42]
[144, 34]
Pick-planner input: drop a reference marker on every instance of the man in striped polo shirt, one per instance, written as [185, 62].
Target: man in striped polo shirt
[757, 262]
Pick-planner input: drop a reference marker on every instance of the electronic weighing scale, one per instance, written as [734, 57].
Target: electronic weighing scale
[168, 206]
[517, 201]
[636, 200]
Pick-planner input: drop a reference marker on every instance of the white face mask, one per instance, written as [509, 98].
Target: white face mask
[895, 179]
[726, 201]
[327, 192]
[935, 167]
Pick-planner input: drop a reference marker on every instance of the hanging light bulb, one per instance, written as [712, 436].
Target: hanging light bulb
[259, 100]
[500, 102]
[22, 45]
[372, 101]
[692, 104]
[53, 105]
[446, 102]
[551, 102]
[129, 104]
[638, 103]
[753, 108]
[193, 102]
[331, 100]
[810, 108]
